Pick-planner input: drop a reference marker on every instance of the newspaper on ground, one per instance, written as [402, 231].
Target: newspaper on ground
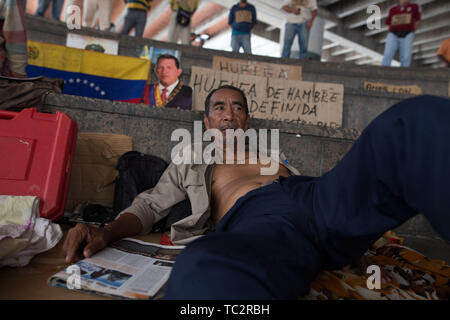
[128, 269]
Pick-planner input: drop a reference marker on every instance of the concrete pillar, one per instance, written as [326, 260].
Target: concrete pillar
[315, 41]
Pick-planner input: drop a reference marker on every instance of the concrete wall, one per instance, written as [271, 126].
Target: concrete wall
[311, 149]
[360, 106]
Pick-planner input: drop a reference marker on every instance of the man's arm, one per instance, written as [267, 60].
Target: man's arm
[417, 16]
[231, 16]
[195, 8]
[310, 21]
[254, 18]
[291, 10]
[98, 238]
[389, 17]
[147, 208]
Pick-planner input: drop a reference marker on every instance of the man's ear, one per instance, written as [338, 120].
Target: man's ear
[179, 72]
[205, 121]
[247, 121]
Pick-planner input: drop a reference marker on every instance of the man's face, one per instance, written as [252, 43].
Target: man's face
[404, 2]
[167, 72]
[226, 111]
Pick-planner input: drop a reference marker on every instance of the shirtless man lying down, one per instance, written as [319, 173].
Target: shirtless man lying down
[253, 236]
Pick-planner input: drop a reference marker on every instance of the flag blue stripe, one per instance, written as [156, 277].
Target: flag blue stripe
[81, 84]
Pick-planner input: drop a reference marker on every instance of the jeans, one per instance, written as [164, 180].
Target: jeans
[135, 19]
[404, 45]
[56, 8]
[291, 30]
[276, 239]
[242, 40]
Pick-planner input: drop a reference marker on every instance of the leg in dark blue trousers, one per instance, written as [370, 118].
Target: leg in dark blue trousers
[400, 166]
[276, 239]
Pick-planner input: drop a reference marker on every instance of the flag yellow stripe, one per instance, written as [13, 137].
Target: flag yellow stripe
[88, 62]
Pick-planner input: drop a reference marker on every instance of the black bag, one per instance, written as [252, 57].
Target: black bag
[183, 17]
[139, 172]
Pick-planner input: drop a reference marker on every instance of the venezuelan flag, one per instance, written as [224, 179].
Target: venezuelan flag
[89, 73]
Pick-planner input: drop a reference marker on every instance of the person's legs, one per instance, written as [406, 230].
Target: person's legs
[262, 249]
[235, 43]
[400, 166]
[289, 35]
[173, 26]
[57, 8]
[303, 36]
[89, 10]
[390, 47]
[141, 20]
[185, 34]
[246, 43]
[104, 7]
[405, 49]
[42, 7]
[130, 22]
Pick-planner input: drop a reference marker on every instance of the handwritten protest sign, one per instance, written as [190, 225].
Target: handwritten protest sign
[382, 87]
[295, 101]
[398, 19]
[257, 68]
[244, 16]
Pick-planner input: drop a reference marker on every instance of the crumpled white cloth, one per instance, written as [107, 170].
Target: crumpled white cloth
[23, 234]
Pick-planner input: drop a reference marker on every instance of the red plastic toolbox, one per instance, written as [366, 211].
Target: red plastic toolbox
[36, 151]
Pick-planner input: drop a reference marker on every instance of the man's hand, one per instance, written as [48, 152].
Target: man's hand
[309, 24]
[295, 11]
[83, 241]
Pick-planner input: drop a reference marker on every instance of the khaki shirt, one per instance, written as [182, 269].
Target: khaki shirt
[177, 183]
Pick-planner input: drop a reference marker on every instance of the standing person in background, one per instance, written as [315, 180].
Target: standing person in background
[90, 8]
[56, 8]
[300, 17]
[444, 52]
[180, 20]
[13, 39]
[403, 19]
[242, 19]
[136, 16]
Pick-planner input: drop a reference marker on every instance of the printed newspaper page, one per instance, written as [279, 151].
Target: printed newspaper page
[128, 268]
